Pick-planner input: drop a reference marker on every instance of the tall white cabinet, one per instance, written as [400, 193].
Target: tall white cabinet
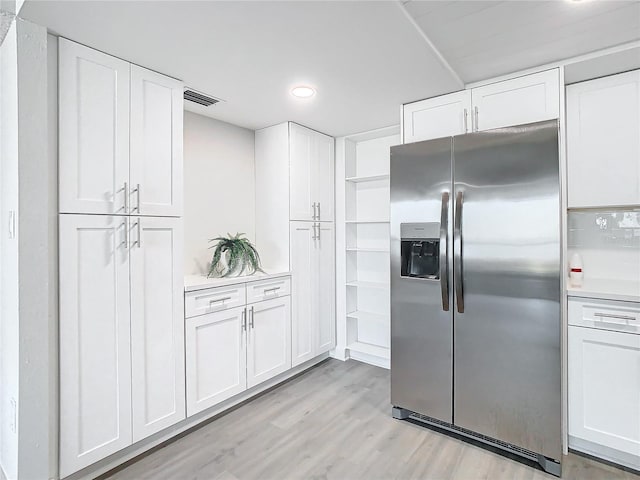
[295, 174]
[120, 255]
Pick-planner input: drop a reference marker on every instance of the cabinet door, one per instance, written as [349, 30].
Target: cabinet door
[443, 116]
[325, 301]
[157, 324]
[268, 340]
[604, 388]
[216, 358]
[603, 143]
[324, 177]
[93, 130]
[95, 362]
[302, 172]
[303, 270]
[528, 99]
[156, 143]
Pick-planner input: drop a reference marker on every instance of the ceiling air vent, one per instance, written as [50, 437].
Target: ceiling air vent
[199, 98]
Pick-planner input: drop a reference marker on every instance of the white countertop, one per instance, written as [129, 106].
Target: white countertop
[200, 282]
[623, 290]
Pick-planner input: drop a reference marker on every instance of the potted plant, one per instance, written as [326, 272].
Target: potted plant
[233, 256]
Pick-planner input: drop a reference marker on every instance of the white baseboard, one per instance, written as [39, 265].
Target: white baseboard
[370, 359]
[605, 453]
[139, 448]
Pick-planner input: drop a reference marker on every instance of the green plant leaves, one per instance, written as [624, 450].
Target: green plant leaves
[233, 255]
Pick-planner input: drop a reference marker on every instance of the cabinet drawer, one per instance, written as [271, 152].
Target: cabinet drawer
[202, 302]
[605, 315]
[267, 289]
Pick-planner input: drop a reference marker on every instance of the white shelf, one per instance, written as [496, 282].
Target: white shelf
[371, 250]
[367, 221]
[368, 178]
[360, 284]
[369, 349]
[368, 316]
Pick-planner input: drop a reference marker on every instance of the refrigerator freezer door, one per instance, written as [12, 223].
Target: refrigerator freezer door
[507, 378]
[421, 329]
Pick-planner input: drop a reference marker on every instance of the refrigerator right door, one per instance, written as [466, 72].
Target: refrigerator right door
[507, 357]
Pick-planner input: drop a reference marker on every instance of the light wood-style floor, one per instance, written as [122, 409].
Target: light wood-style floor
[334, 422]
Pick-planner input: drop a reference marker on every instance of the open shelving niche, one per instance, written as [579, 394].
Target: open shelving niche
[364, 302]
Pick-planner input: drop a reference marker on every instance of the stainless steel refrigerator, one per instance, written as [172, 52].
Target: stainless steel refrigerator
[475, 287]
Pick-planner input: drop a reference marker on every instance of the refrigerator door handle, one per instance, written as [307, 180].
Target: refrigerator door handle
[444, 251]
[457, 253]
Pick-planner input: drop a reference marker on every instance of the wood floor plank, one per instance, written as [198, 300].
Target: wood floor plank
[334, 423]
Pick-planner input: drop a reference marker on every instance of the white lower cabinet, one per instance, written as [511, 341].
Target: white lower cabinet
[268, 340]
[121, 333]
[604, 387]
[216, 358]
[313, 289]
[157, 329]
[233, 349]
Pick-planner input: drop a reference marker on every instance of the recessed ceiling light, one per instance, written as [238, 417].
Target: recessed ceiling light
[303, 91]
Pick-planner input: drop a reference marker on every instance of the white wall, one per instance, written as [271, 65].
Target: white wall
[9, 255]
[26, 331]
[219, 193]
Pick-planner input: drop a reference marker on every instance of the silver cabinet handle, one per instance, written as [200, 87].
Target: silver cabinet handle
[251, 317]
[314, 231]
[444, 251]
[318, 238]
[313, 216]
[139, 233]
[457, 254]
[125, 226]
[219, 300]
[611, 315]
[125, 189]
[274, 289]
[318, 216]
[475, 110]
[244, 319]
[466, 114]
[137, 190]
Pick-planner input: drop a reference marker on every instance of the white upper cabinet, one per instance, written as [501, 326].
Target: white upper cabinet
[93, 131]
[437, 117]
[156, 143]
[325, 183]
[527, 99]
[311, 160]
[95, 361]
[268, 339]
[157, 324]
[120, 134]
[603, 141]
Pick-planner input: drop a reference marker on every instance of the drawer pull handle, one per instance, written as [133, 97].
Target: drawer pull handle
[274, 289]
[610, 315]
[219, 300]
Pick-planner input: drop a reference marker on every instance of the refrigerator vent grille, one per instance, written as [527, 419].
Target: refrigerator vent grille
[478, 436]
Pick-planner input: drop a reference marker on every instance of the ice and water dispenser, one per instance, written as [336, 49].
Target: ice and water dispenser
[420, 250]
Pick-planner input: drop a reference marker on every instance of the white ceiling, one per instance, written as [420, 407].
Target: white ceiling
[484, 39]
[365, 58]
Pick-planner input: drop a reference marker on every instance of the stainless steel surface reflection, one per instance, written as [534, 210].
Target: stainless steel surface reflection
[491, 364]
